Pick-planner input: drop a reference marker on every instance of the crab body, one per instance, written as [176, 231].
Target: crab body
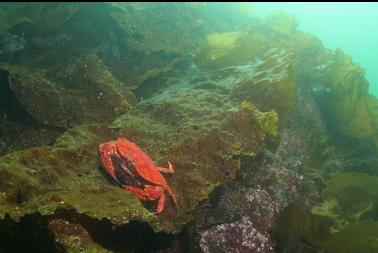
[135, 171]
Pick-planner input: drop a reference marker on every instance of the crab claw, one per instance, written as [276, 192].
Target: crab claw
[166, 170]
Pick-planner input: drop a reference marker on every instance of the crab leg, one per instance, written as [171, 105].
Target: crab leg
[150, 193]
[170, 192]
[107, 161]
[166, 170]
[160, 205]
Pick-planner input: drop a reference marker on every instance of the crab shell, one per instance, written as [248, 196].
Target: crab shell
[144, 168]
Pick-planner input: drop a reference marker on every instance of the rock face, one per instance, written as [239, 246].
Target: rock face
[16, 136]
[255, 117]
[240, 236]
[262, 74]
[264, 186]
[203, 149]
[71, 106]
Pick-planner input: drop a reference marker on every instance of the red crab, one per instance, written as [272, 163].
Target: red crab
[134, 170]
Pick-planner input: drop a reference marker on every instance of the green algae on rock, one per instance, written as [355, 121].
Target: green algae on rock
[202, 152]
[61, 178]
[17, 136]
[271, 85]
[230, 49]
[74, 237]
[282, 23]
[263, 71]
[201, 133]
[38, 95]
[68, 175]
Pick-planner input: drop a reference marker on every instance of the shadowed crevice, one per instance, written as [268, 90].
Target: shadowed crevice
[134, 236]
[30, 234]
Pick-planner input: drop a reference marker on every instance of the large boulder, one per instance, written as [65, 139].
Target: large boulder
[54, 105]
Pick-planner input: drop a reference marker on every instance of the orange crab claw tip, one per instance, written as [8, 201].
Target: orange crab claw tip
[170, 166]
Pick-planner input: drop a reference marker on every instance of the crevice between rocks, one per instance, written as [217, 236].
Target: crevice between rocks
[135, 235]
[30, 234]
[33, 234]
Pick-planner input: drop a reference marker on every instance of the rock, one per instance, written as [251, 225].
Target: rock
[38, 95]
[203, 150]
[73, 236]
[231, 49]
[220, 45]
[265, 185]
[17, 136]
[257, 71]
[28, 234]
[268, 82]
[282, 23]
[239, 236]
[47, 184]
[125, 35]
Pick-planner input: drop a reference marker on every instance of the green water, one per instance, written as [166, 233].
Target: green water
[350, 26]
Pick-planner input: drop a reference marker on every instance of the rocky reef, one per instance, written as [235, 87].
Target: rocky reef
[256, 117]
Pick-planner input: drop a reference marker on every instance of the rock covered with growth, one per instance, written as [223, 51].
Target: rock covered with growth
[259, 73]
[240, 236]
[203, 149]
[74, 105]
[132, 46]
[73, 236]
[239, 221]
[264, 187]
[16, 136]
[63, 178]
